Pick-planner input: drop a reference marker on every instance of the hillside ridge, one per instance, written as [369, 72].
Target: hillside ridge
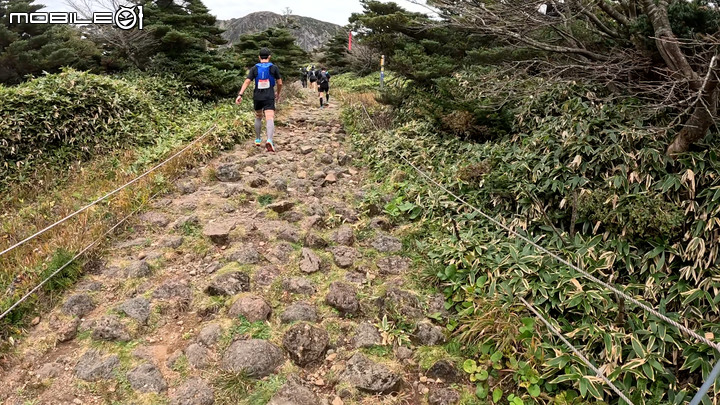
[310, 33]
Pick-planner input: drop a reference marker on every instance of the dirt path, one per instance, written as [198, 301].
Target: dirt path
[258, 281]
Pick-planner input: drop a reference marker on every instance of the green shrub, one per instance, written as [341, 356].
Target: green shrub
[54, 120]
[582, 175]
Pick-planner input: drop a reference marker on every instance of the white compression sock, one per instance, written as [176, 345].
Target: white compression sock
[258, 127]
[270, 129]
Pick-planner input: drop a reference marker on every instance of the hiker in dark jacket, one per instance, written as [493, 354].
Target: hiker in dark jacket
[323, 81]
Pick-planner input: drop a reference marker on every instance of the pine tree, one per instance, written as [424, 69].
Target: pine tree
[187, 45]
[30, 49]
[335, 52]
[286, 54]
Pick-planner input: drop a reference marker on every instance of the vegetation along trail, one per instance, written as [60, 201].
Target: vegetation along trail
[264, 281]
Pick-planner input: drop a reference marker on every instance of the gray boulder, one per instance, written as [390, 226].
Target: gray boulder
[254, 357]
[368, 376]
[146, 378]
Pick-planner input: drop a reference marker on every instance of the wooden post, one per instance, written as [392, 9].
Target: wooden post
[382, 71]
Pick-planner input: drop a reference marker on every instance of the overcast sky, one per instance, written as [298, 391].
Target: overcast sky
[335, 11]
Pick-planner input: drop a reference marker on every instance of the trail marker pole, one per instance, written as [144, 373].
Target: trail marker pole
[382, 71]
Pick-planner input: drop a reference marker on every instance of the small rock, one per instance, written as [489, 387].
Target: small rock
[380, 223]
[67, 330]
[154, 218]
[137, 308]
[229, 284]
[253, 308]
[299, 285]
[305, 343]
[400, 304]
[331, 178]
[186, 186]
[195, 391]
[436, 307]
[136, 269]
[281, 206]
[443, 396]
[256, 181]
[245, 255]
[78, 305]
[428, 334]
[357, 277]
[318, 175]
[310, 262]
[343, 159]
[302, 174]
[313, 221]
[445, 371]
[254, 357]
[209, 335]
[198, 356]
[387, 244]
[185, 221]
[293, 393]
[403, 353]
[171, 241]
[368, 376]
[265, 276]
[289, 234]
[173, 289]
[393, 265]
[292, 216]
[299, 311]
[92, 366]
[366, 335]
[49, 370]
[343, 297]
[326, 158]
[146, 378]
[344, 256]
[228, 172]
[35, 321]
[305, 149]
[174, 357]
[90, 285]
[344, 236]
[219, 232]
[110, 328]
[280, 254]
[315, 241]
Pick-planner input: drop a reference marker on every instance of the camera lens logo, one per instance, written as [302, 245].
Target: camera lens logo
[127, 17]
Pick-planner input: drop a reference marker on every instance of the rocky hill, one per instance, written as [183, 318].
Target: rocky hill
[310, 33]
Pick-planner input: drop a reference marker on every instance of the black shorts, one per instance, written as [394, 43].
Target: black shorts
[264, 105]
[324, 86]
[313, 80]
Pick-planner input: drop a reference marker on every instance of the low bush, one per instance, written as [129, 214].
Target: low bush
[582, 174]
[57, 119]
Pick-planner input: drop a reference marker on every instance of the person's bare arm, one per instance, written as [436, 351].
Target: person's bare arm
[279, 88]
[244, 87]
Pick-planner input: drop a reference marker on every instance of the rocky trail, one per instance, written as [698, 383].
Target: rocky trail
[259, 280]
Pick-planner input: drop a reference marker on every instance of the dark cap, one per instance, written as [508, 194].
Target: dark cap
[264, 52]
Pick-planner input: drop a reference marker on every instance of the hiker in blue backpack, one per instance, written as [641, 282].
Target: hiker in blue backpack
[266, 77]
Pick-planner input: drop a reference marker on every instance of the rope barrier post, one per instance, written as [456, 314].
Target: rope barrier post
[707, 384]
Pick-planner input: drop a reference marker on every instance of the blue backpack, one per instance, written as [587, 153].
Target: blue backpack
[264, 79]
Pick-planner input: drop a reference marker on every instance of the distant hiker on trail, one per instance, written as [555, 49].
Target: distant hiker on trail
[323, 81]
[312, 76]
[304, 77]
[266, 76]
